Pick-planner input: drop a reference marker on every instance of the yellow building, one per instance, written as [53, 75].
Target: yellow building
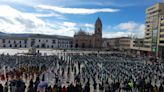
[137, 47]
[161, 36]
[152, 31]
[125, 43]
[120, 43]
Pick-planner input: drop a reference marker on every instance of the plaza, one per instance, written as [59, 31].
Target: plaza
[55, 47]
[90, 70]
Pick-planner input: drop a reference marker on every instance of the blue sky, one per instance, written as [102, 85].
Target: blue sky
[65, 17]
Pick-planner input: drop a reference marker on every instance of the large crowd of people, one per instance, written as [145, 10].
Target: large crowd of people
[80, 73]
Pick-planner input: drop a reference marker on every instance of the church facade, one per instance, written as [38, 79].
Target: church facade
[85, 40]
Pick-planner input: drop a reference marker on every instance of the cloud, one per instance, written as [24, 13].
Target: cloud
[59, 16]
[19, 2]
[109, 3]
[115, 34]
[130, 28]
[15, 21]
[89, 25]
[69, 24]
[75, 10]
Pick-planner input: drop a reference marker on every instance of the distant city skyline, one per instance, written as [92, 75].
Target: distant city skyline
[65, 17]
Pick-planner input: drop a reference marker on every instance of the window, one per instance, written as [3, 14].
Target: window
[162, 24]
[37, 46]
[4, 45]
[147, 37]
[9, 41]
[25, 46]
[161, 41]
[47, 46]
[147, 33]
[162, 17]
[161, 36]
[20, 46]
[25, 41]
[32, 42]
[70, 42]
[3, 40]
[43, 45]
[151, 9]
[14, 41]
[147, 22]
[162, 30]
[10, 45]
[53, 41]
[39, 40]
[52, 46]
[46, 40]
[147, 46]
[147, 41]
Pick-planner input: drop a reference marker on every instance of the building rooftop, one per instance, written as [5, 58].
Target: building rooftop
[117, 38]
[25, 36]
[83, 33]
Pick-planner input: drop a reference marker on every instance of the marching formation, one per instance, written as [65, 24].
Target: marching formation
[80, 73]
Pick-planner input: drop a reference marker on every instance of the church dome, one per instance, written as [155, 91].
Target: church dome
[81, 32]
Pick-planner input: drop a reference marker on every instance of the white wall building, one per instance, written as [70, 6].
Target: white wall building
[35, 40]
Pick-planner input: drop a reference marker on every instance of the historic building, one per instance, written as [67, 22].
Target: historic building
[35, 40]
[85, 40]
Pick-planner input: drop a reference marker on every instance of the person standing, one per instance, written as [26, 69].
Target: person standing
[64, 89]
[6, 87]
[36, 83]
[161, 88]
[54, 88]
[1, 88]
[31, 88]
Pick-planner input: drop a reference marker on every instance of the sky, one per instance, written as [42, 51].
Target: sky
[65, 17]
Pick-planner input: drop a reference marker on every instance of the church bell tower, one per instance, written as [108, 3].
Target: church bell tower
[97, 37]
[98, 27]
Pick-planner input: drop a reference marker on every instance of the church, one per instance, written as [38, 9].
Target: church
[85, 40]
